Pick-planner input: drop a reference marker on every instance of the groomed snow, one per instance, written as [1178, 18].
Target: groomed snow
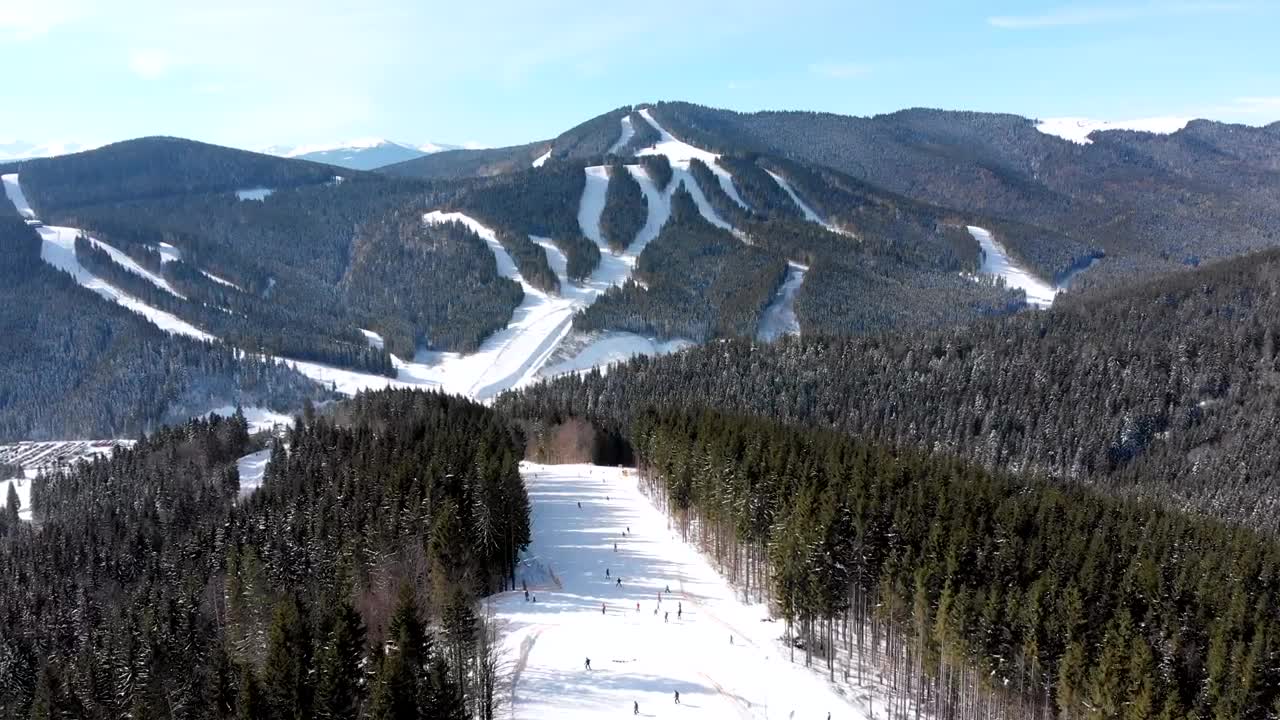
[168, 253]
[542, 159]
[780, 317]
[260, 419]
[609, 348]
[1077, 129]
[58, 249]
[375, 340]
[628, 132]
[252, 467]
[996, 262]
[258, 193]
[638, 656]
[220, 281]
[14, 191]
[679, 153]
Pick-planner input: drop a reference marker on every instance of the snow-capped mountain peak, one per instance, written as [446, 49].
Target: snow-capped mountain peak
[365, 153]
[1077, 129]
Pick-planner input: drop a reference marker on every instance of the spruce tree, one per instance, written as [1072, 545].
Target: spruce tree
[11, 506]
[285, 672]
[339, 687]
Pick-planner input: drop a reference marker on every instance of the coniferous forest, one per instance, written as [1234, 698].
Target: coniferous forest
[346, 587]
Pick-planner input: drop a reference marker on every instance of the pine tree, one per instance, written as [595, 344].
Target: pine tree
[339, 689]
[250, 704]
[285, 672]
[11, 507]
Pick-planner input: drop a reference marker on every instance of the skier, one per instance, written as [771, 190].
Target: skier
[606, 572]
[535, 598]
[678, 700]
[730, 639]
[579, 504]
[679, 613]
[628, 528]
[668, 589]
[666, 616]
[635, 708]
[637, 607]
[588, 664]
[601, 608]
[615, 547]
[619, 582]
[526, 596]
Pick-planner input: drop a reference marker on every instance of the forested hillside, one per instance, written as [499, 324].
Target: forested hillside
[1152, 203]
[344, 587]
[975, 595]
[458, 164]
[158, 167]
[1161, 392]
[74, 365]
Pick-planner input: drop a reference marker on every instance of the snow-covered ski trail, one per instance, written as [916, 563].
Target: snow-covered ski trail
[638, 656]
[13, 191]
[780, 317]
[542, 159]
[996, 262]
[628, 132]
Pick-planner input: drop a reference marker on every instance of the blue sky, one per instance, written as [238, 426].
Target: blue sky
[258, 72]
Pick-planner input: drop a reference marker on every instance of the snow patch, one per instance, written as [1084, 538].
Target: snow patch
[1077, 129]
[260, 419]
[628, 132]
[780, 317]
[375, 340]
[591, 207]
[58, 249]
[603, 350]
[21, 485]
[221, 281]
[258, 193]
[639, 655]
[168, 253]
[996, 262]
[542, 159]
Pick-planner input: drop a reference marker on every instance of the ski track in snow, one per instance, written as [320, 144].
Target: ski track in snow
[679, 154]
[628, 132]
[639, 656]
[780, 317]
[996, 262]
[14, 191]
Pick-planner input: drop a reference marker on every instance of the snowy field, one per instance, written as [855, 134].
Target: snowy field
[258, 193]
[996, 262]
[1077, 129]
[638, 656]
[780, 317]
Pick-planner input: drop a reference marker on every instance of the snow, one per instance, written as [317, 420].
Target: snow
[591, 207]
[780, 317]
[252, 467]
[542, 159]
[168, 253]
[58, 249]
[258, 193]
[680, 153]
[628, 132]
[375, 340]
[220, 281]
[1077, 129]
[132, 266]
[639, 656]
[23, 487]
[996, 262]
[260, 419]
[14, 191]
[609, 348]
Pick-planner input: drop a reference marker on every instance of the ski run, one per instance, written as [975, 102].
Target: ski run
[780, 317]
[997, 263]
[691, 634]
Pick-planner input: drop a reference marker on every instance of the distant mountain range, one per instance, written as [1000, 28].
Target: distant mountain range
[24, 150]
[360, 154]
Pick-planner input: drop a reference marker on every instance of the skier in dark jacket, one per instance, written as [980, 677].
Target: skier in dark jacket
[635, 707]
[677, 697]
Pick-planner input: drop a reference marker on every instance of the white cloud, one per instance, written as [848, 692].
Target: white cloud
[149, 63]
[839, 70]
[29, 19]
[1074, 15]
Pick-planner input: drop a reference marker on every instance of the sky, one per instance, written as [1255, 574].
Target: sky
[252, 73]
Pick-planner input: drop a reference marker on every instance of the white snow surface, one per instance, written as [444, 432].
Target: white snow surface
[375, 340]
[996, 261]
[637, 656]
[679, 153]
[168, 253]
[58, 249]
[807, 211]
[628, 132]
[1077, 129]
[542, 159]
[252, 467]
[780, 317]
[610, 348]
[14, 191]
[260, 419]
[22, 485]
[220, 281]
[258, 193]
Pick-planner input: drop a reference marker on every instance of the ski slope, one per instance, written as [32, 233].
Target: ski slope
[780, 317]
[542, 159]
[260, 419]
[22, 486]
[258, 193]
[996, 262]
[14, 192]
[679, 154]
[637, 656]
[252, 467]
[628, 132]
[58, 249]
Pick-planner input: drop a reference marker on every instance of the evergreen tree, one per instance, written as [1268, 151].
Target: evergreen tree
[285, 673]
[339, 662]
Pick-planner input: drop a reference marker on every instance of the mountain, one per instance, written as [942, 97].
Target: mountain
[465, 163]
[361, 154]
